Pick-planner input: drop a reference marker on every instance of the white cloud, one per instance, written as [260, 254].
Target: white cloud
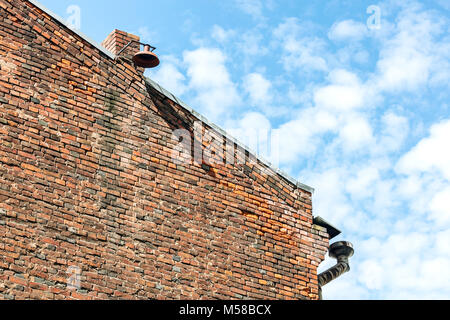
[335, 110]
[356, 133]
[442, 241]
[344, 93]
[221, 35]
[339, 97]
[147, 35]
[402, 261]
[331, 195]
[346, 134]
[409, 265]
[169, 76]
[432, 154]
[404, 207]
[440, 207]
[254, 130]
[345, 56]
[361, 185]
[403, 68]
[409, 187]
[404, 64]
[348, 30]
[411, 56]
[304, 54]
[345, 288]
[395, 130]
[300, 51]
[405, 266]
[372, 275]
[254, 8]
[440, 74]
[248, 127]
[296, 140]
[344, 77]
[361, 56]
[258, 88]
[323, 120]
[216, 94]
[250, 44]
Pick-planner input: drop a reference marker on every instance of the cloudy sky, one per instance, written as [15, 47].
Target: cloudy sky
[358, 93]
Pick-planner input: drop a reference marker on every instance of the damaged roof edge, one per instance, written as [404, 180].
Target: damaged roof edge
[175, 99]
[78, 32]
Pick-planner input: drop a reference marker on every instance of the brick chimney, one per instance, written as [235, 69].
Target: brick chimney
[119, 39]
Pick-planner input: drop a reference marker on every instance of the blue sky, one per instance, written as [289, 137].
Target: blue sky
[359, 99]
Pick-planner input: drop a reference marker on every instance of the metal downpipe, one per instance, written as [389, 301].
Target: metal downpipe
[341, 251]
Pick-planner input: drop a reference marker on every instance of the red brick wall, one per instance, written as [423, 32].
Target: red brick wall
[89, 191]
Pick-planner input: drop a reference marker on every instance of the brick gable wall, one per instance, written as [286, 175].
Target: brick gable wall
[89, 191]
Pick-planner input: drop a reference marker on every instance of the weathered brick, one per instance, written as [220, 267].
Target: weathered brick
[89, 190]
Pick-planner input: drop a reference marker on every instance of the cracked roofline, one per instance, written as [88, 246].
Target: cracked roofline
[175, 99]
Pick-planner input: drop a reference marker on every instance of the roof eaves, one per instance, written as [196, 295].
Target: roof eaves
[333, 232]
[78, 32]
[175, 99]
